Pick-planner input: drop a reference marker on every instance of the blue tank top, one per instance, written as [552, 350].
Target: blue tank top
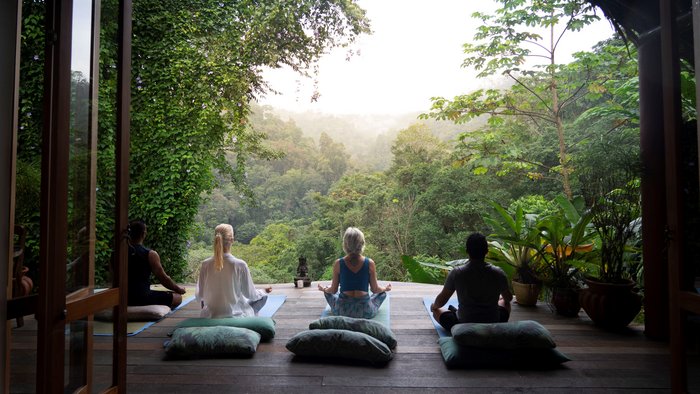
[350, 281]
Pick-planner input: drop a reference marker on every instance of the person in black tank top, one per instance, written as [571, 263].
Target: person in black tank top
[143, 262]
[354, 275]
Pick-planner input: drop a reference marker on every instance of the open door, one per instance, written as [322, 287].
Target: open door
[59, 311]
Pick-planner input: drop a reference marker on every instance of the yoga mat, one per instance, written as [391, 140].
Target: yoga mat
[274, 302]
[383, 315]
[102, 328]
[440, 330]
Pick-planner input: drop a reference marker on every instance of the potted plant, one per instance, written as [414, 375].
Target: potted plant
[610, 300]
[567, 237]
[513, 248]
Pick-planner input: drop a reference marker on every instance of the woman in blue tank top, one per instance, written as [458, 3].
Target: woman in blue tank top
[354, 275]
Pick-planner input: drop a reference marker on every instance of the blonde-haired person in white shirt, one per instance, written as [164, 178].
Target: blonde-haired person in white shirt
[225, 287]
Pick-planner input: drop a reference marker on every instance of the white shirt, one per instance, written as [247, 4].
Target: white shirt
[228, 292]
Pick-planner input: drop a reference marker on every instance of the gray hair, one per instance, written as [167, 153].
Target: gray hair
[353, 241]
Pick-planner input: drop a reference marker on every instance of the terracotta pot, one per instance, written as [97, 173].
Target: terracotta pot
[610, 305]
[566, 301]
[526, 294]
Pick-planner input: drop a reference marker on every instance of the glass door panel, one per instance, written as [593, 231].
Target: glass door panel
[80, 190]
[80, 237]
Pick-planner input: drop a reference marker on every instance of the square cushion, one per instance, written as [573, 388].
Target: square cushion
[264, 326]
[469, 357]
[219, 341]
[137, 313]
[340, 344]
[526, 334]
[369, 327]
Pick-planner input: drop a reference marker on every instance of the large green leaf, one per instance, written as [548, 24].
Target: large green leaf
[418, 274]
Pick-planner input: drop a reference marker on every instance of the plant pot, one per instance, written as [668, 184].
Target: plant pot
[526, 294]
[565, 301]
[610, 305]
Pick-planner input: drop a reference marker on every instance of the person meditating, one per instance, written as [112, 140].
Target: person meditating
[143, 262]
[355, 274]
[225, 287]
[482, 290]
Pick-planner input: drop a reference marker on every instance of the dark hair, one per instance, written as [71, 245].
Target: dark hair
[477, 246]
[137, 229]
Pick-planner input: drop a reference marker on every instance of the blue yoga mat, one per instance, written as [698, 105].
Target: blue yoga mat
[383, 315]
[274, 302]
[102, 329]
[440, 330]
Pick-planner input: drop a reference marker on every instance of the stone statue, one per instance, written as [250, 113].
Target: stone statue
[302, 273]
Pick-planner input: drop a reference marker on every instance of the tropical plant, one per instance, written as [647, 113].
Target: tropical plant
[433, 272]
[566, 237]
[517, 239]
[615, 216]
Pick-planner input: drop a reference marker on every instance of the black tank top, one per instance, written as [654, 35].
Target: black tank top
[139, 270]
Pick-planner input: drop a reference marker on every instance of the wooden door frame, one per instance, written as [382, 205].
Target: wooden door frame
[120, 277]
[10, 17]
[54, 311]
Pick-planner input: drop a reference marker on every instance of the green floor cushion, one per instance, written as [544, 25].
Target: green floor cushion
[264, 326]
[137, 313]
[469, 357]
[340, 344]
[369, 327]
[526, 334]
[219, 341]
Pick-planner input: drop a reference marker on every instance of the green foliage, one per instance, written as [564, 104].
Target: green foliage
[426, 269]
[195, 70]
[542, 94]
[194, 258]
[509, 36]
[416, 271]
[517, 240]
[615, 215]
[566, 237]
[536, 205]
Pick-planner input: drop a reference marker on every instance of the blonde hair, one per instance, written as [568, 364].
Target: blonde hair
[223, 238]
[353, 241]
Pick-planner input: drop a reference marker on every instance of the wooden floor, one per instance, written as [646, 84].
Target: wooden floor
[602, 361]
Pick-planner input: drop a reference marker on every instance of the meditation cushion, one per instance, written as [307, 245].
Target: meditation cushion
[219, 341]
[343, 344]
[458, 356]
[264, 326]
[369, 327]
[526, 334]
[137, 313]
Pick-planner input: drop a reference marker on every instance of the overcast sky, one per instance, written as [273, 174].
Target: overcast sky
[414, 53]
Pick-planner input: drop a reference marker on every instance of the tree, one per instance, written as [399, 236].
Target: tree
[195, 71]
[506, 41]
[333, 160]
[417, 144]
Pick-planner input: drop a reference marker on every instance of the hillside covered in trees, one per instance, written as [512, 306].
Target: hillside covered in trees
[439, 180]
[203, 152]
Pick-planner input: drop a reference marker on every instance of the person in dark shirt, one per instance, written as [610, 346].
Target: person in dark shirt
[482, 290]
[143, 262]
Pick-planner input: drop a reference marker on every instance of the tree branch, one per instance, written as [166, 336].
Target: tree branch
[539, 45]
[615, 127]
[529, 90]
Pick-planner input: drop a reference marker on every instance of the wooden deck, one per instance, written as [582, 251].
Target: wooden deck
[602, 361]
